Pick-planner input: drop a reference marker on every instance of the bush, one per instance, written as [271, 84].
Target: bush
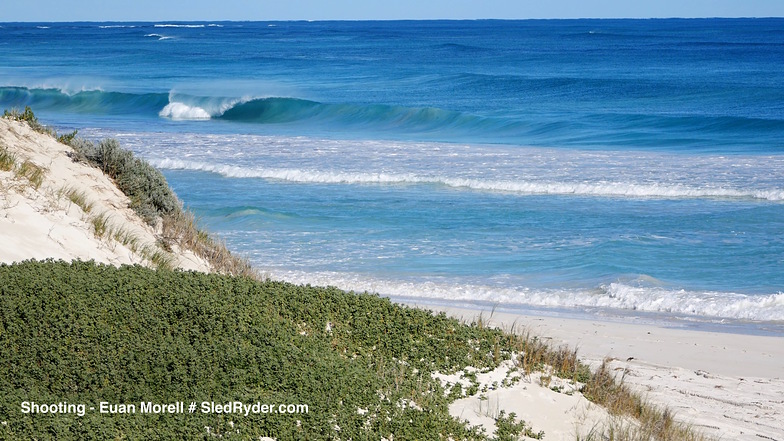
[29, 117]
[146, 187]
[85, 333]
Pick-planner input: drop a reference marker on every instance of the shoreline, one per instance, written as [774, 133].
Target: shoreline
[719, 325]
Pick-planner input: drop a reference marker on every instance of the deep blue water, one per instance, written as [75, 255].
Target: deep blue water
[610, 166]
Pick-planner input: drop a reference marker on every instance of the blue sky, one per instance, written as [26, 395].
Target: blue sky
[156, 10]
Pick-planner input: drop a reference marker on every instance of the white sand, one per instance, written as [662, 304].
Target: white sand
[43, 223]
[546, 404]
[729, 386]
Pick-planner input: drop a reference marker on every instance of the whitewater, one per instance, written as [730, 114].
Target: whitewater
[619, 168]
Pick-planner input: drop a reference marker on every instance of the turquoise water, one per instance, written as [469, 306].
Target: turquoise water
[613, 167]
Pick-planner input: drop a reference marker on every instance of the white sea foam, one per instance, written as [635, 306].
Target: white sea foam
[179, 26]
[182, 111]
[596, 189]
[67, 87]
[159, 36]
[618, 295]
[189, 107]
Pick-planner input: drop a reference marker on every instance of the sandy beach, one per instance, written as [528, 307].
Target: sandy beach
[730, 386]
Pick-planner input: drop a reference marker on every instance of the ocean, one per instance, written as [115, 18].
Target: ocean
[621, 169]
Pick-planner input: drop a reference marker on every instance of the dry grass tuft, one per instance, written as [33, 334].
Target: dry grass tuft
[32, 172]
[633, 418]
[7, 160]
[180, 229]
[650, 422]
[537, 355]
[77, 197]
[100, 225]
[152, 253]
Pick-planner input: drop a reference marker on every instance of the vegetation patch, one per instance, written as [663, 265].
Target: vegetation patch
[27, 116]
[85, 333]
[100, 224]
[7, 160]
[636, 418]
[146, 187]
[77, 197]
[32, 172]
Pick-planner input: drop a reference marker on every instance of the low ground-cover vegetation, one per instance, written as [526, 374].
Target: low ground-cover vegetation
[85, 333]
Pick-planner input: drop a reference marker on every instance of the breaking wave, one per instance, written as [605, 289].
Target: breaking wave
[596, 189]
[617, 295]
[625, 130]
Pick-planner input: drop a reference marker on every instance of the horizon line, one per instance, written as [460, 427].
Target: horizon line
[278, 20]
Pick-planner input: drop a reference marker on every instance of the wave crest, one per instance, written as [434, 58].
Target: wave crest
[180, 111]
[617, 295]
[598, 189]
[430, 123]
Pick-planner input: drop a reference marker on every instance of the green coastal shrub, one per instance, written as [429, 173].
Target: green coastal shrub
[146, 187]
[29, 117]
[85, 333]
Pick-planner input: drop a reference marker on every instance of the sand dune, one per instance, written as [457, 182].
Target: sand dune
[39, 220]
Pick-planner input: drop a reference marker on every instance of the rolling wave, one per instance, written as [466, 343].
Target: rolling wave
[265, 110]
[85, 101]
[523, 187]
[602, 129]
[374, 116]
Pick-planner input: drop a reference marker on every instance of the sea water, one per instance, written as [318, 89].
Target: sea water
[622, 168]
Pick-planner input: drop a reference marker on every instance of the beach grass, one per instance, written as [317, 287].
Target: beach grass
[32, 172]
[636, 418]
[77, 197]
[7, 160]
[100, 224]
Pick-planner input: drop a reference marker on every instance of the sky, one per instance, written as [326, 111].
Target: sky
[262, 10]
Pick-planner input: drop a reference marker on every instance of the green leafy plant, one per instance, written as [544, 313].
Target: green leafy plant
[508, 429]
[28, 117]
[85, 333]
